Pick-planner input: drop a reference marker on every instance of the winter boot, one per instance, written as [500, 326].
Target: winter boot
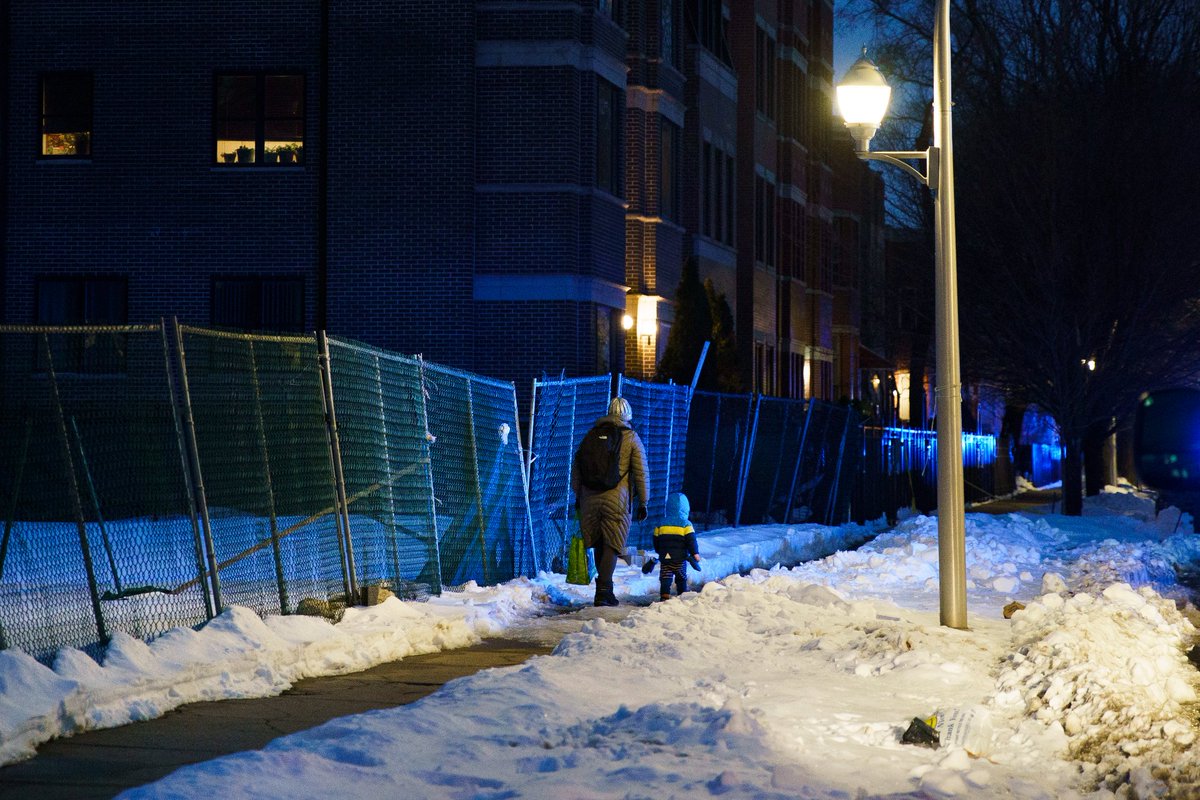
[664, 596]
[605, 597]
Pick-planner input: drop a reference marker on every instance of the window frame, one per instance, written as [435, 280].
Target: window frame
[608, 141]
[258, 282]
[261, 155]
[71, 356]
[670, 137]
[87, 114]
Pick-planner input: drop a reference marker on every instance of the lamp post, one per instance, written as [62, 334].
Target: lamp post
[863, 97]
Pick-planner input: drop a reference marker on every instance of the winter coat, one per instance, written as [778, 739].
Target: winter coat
[674, 537]
[604, 516]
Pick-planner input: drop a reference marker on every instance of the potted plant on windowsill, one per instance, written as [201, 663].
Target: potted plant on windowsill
[289, 153]
[229, 158]
[245, 155]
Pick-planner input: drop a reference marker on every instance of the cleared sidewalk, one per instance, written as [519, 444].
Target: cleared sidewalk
[101, 764]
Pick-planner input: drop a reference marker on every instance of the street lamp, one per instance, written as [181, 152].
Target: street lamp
[863, 96]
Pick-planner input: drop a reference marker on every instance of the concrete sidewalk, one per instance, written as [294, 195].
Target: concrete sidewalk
[1035, 501]
[101, 764]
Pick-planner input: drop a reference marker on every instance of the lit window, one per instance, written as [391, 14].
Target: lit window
[67, 114]
[258, 304]
[74, 300]
[259, 120]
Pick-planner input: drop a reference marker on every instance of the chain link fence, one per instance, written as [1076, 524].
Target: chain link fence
[96, 513]
[152, 475]
[563, 412]
[899, 470]
[660, 417]
[754, 459]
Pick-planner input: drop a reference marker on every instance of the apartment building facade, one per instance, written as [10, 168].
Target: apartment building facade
[507, 187]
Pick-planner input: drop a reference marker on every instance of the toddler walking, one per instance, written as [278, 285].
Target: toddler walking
[675, 543]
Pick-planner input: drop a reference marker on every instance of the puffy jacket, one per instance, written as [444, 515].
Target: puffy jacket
[674, 536]
[604, 516]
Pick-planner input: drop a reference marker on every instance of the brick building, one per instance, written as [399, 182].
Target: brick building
[500, 186]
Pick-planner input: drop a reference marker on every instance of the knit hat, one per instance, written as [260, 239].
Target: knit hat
[620, 407]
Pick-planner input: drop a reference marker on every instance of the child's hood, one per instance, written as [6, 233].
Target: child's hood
[678, 508]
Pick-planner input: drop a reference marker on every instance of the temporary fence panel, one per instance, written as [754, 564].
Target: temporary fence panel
[899, 470]
[385, 451]
[660, 417]
[719, 428]
[483, 520]
[265, 467]
[1047, 463]
[96, 528]
[778, 431]
[817, 485]
[563, 412]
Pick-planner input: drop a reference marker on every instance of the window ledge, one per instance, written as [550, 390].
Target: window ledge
[61, 160]
[258, 170]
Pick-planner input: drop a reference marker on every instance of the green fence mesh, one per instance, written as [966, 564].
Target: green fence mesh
[96, 519]
[718, 441]
[563, 412]
[483, 520]
[261, 441]
[382, 428]
[151, 477]
[660, 417]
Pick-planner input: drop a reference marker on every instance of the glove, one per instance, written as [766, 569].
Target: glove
[648, 566]
[640, 514]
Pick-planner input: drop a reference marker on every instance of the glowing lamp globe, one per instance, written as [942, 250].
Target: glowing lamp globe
[863, 97]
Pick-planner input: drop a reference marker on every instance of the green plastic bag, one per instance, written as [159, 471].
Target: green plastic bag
[577, 563]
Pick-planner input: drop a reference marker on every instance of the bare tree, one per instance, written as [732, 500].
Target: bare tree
[1079, 247]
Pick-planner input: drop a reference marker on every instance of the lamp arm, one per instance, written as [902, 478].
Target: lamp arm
[895, 158]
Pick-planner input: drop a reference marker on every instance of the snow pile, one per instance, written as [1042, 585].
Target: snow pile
[238, 654]
[1109, 672]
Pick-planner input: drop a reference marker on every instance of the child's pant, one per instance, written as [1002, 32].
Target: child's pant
[669, 571]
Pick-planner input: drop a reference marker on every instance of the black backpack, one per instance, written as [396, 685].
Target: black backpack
[599, 457]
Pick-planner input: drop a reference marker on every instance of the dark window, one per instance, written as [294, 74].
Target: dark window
[259, 119]
[669, 176]
[258, 304]
[67, 114]
[764, 75]
[729, 200]
[710, 28]
[608, 137]
[613, 9]
[764, 221]
[670, 33]
[708, 192]
[83, 301]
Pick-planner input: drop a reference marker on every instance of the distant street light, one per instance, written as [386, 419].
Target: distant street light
[863, 96]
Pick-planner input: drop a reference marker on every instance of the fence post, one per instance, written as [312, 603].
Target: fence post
[437, 543]
[475, 475]
[787, 514]
[387, 468]
[521, 459]
[281, 586]
[186, 473]
[73, 486]
[837, 475]
[87, 473]
[345, 543]
[671, 439]
[532, 424]
[747, 456]
[197, 475]
[712, 459]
